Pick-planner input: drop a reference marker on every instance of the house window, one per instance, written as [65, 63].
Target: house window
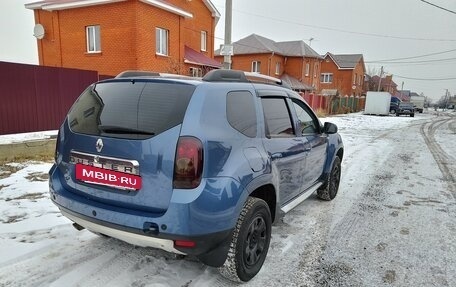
[277, 70]
[315, 69]
[161, 41]
[203, 41]
[196, 72]
[256, 66]
[359, 80]
[326, 77]
[93, 39]
[354, 79]
[307, 69]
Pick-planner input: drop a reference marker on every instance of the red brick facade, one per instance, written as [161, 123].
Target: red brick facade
[348, 81]
[127, 31]
[293, 66]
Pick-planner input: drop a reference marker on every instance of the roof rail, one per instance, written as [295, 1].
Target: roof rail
[133, 73]
[241, 76]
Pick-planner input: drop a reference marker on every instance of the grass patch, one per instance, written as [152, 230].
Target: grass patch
[321, 113]
[37, 176]
[31, 196]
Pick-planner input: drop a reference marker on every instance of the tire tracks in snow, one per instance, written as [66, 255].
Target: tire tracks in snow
[442, 158]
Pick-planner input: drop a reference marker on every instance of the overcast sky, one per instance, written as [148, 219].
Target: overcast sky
[380, 30]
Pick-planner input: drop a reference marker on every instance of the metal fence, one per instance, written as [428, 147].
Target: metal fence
[37, 98]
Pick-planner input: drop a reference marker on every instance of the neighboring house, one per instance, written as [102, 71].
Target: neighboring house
[294, 62]
[404, 95]
[342, 75]
[386, 85]
[173, 36]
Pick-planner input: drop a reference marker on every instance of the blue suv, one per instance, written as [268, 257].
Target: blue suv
[192, 166]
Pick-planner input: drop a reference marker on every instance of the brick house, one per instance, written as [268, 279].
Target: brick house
[386, 84]
[343, 73]
[293, 61]
[174, 36]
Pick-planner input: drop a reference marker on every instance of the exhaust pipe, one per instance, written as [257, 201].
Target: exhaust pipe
[78, 227]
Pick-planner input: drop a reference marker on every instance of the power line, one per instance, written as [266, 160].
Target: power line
[425, 79]
[440, 7]
[347, 31]
[414, 57]
[412, 62]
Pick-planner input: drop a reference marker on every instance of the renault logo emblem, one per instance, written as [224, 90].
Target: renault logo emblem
[99, 145]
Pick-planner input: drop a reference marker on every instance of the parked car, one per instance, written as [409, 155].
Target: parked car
[405, 109]
[192, 166]
[394, 104]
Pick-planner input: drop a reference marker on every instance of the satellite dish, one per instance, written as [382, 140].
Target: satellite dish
[38, 31]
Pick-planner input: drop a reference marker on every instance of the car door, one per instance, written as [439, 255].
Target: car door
[310, 131]
[286, 151]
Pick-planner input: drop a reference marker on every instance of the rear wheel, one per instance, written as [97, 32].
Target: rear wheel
[329, 190]
[393, 111]
[250, 241]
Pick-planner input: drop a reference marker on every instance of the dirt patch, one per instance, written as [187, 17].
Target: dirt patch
[334, 275]
[14, 218]
[31, 196]
[405, 231]
[37, 176]
[381, 247]
[7, 169]
[390, 276]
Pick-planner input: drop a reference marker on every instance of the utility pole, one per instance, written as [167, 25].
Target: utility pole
[228, 23]
[402, 88]
[380, 81]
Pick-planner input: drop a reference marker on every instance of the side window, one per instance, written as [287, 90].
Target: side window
[277, 118]
[241, 114]
[306, 121]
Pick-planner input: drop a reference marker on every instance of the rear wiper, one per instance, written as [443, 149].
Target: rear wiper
[122, 130]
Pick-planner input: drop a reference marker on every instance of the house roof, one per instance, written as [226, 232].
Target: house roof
[256, 44]
[295, 84]
[193, 57]
[345, 61]
[51, 5]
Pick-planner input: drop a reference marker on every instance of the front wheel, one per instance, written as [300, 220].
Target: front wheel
[250, 241]
[329, 190]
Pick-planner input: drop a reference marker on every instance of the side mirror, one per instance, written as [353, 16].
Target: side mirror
[330, 128]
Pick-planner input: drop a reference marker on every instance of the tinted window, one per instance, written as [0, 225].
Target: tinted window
[130, 109]
[306, 121]
[277, 117]
[241, 114]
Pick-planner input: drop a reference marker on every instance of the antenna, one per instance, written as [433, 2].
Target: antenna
[38, 31]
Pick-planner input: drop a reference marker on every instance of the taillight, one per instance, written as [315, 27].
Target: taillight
[188, 164]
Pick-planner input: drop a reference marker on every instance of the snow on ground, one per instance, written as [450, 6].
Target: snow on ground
[39, 247]
[16, 138]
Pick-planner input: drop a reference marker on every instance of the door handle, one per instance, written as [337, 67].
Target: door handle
[307, 147]
[276, 155]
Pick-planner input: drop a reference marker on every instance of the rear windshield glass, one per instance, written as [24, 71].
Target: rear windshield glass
[134, 110]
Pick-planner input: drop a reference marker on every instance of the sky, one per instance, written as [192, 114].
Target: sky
[382, 31]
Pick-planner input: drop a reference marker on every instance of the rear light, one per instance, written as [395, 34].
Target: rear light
[188, 164]
[184, 243]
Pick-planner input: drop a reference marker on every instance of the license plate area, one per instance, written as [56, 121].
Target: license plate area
[107, 171]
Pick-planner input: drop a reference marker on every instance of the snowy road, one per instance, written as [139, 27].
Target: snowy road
[393, 223]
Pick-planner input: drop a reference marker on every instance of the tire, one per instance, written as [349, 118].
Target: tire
[249, 243]
[412, 115]
[329, 190]
[392, 111]
[397, 114]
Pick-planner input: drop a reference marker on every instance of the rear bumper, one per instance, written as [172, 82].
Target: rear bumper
[207, 218]
[132, 238]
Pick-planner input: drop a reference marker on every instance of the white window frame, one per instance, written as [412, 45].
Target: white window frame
[203, 41]
[315, 69]
[161, 41]
[93, 39]
[277, 68]
[327, 78]
[256, 67]
[354, 79]
[307, 69]
[196, 72]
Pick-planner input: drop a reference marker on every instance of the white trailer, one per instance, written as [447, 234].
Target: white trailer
[418, 102]
[377, 103]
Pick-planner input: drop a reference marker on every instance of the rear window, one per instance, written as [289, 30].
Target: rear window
[134, 110]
